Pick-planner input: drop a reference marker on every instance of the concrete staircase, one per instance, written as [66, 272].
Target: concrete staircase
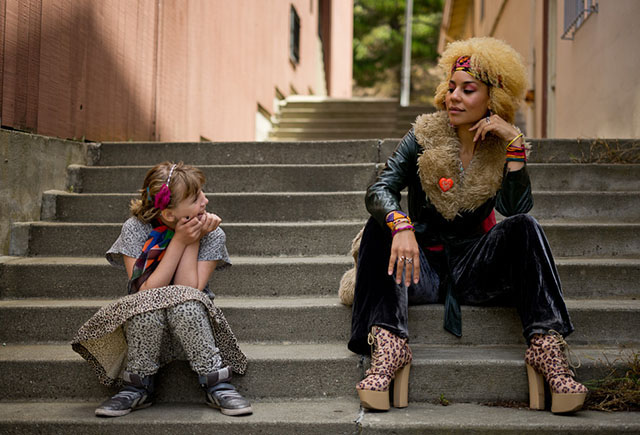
[319, 118]
[290, 210]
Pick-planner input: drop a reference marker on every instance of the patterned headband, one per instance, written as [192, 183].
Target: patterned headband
[463, 63]
[163, 197]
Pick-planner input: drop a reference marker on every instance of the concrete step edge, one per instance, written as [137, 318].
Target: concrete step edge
[299, 302]
[337, 415]
[61, 351]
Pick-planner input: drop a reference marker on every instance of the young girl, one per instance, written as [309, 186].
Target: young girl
[169, 248]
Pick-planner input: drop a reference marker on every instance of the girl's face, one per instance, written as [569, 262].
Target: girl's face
[191, 207]
[467, 99]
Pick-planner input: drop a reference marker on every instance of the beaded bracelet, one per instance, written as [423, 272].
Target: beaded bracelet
[406, 227]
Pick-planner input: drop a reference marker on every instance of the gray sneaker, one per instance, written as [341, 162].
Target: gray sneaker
[226, 398]
[136, 394]
[127, 400]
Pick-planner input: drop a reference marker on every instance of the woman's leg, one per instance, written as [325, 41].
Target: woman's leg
[378, 301]
[512, 264]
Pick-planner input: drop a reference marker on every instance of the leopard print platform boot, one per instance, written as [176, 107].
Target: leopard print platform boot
[390, 359]
[545, 357]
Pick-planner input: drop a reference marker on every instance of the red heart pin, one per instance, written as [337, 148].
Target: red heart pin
[445, 184]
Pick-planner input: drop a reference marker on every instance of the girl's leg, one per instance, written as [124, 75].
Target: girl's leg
[190, 323]
[512, 264]
[144, 339]
[378, 301]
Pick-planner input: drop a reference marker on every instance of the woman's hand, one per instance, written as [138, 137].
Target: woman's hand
[188, 230]
[497, 126]
[404, 251]
[210, 222]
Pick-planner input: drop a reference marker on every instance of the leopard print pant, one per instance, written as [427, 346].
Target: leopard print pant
[188, 322]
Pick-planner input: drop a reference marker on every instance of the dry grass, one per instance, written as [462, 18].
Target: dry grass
[611, 151]
[619, 390]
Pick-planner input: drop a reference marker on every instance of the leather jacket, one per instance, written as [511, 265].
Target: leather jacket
[401, 170]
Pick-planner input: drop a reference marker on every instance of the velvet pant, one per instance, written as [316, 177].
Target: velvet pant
[510, 265]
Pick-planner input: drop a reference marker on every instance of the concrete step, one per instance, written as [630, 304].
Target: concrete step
[93, 277]
[334, 105]
[299, 371]
[330, 124]
[317, 152]
[234, 178]
[343, 178]
[602, 151]
[238, 153]
[313, 114]
[318, 206]
[363, 132]
[321, 417]
[305, 239]
[305, 319]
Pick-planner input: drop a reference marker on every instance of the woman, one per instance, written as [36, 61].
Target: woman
[458, 164]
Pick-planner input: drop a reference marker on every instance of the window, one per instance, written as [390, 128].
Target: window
[294, 36]
[576, 13]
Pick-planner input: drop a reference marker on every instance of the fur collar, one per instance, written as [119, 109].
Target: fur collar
[440, 158]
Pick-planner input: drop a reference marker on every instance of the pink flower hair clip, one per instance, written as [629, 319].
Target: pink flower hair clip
[163, 197]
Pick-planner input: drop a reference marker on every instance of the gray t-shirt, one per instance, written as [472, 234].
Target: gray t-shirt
[135, 233]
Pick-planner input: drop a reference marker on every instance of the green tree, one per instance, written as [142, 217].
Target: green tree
[379, 32]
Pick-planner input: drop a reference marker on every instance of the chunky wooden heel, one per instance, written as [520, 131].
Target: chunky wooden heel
[401, 387]
[378, 400]
[536, 388]
[562, 403]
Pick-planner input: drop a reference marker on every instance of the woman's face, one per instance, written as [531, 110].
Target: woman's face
[467, 99]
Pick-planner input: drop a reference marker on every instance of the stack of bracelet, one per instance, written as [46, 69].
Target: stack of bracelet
[398, 221]
[514, 153]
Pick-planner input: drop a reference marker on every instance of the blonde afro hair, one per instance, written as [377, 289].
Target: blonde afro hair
[496, 62]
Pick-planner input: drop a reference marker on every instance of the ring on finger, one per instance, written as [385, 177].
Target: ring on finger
[408, 260]
[488, 120]
[402, 258]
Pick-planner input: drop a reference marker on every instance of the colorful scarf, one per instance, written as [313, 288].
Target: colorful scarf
[152, 252]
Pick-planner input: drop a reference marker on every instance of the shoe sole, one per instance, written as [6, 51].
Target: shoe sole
[115, 413]
[230, 411]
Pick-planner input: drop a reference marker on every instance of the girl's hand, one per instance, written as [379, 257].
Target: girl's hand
[405, 256]
[210, 222]
[496, 126]
[188, 230]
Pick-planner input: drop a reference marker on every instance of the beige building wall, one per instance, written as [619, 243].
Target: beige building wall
[162, 69]
[576, 86]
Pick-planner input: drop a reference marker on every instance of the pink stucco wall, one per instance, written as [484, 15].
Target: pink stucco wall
[161, 69]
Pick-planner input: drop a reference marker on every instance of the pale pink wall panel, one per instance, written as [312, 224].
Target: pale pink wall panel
[163, 70]
[341, 49]
[96, 69]
[171, 108]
